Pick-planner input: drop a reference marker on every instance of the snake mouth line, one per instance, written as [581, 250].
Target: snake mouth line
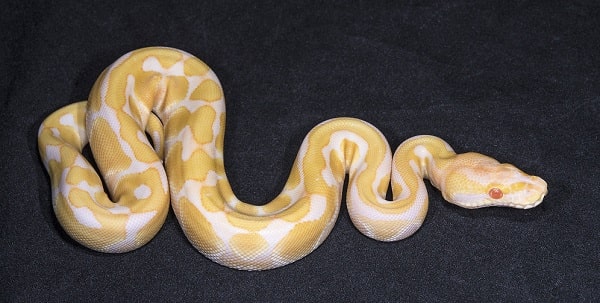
[536, 203]
[506, 204]
[526, 206]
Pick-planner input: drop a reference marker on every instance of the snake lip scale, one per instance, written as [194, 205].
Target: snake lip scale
[177, 100]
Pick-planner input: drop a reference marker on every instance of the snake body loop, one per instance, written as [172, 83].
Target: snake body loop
[176, 100]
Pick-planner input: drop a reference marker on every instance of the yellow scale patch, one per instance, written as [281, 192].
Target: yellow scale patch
[114, 161]
[248, 245]
[193, 221]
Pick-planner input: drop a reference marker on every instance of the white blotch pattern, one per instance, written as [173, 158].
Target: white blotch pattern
[142, 192]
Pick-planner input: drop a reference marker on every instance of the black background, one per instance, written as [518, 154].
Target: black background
[517, 80]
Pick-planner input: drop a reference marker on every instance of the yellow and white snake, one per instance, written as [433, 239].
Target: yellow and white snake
[177, 101]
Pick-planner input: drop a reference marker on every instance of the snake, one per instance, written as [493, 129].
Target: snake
[155, 122]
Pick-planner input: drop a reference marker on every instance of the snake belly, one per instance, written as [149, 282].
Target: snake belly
[176, 100]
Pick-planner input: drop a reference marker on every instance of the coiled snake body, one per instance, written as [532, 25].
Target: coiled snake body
[178, 101]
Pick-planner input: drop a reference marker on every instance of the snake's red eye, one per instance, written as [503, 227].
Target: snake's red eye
[495, 193]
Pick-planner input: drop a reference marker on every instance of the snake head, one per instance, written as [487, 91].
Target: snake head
[480, 181]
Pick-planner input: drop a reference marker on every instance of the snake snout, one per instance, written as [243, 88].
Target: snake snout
[538, 189]
[532, 194]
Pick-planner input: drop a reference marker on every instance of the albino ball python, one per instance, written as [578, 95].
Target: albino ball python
[177, 100]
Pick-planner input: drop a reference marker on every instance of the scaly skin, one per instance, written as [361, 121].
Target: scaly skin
[178, 101]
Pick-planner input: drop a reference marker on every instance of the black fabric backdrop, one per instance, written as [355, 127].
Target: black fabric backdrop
[518, 80]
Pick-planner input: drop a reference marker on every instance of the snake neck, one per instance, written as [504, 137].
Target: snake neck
[421, 157]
